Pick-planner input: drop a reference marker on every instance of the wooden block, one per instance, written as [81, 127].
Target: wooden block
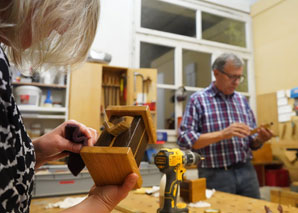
[286, 130]
[284, 197]
[290, 155]
[193, 190]
[110, 165]
[133, 111]
[263, 154]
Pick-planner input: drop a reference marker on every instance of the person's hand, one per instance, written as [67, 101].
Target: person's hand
[51, 145]
[104, 198]
[264, 135]
[236, 129]
[111, 195]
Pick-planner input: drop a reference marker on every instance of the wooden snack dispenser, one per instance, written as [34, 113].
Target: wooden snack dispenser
[121, 146]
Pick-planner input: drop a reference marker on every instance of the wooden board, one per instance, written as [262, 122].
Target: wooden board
[85, 95]
[110, 165]
[284, 197]
[227, 203]
[267, 110]
[264, 154]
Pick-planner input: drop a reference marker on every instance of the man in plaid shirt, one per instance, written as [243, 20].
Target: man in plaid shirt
[217, 123]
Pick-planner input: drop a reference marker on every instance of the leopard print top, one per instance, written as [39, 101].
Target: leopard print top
[17, 157]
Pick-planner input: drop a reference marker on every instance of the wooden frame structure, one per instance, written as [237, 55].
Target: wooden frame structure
[121, 146]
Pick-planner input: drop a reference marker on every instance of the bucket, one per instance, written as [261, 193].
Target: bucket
[27, 95]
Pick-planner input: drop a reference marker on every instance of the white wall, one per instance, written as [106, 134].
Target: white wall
[242, 5]
[114, 34]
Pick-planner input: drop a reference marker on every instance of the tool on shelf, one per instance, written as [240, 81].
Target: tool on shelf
[136, 74]
[113, 87]
[172, 162]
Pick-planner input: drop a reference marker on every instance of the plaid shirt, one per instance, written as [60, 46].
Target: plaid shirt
[209, 111]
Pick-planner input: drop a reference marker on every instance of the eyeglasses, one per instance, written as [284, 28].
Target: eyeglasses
[233, 77]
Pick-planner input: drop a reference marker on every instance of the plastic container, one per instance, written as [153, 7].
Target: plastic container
[150, 174]
[27, 95]
[59, 181]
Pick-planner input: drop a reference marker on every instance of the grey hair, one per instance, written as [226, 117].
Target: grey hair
[221, 61]
[62, 30]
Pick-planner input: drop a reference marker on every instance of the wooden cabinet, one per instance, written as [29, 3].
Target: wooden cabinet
[277, 108]
[95, 86]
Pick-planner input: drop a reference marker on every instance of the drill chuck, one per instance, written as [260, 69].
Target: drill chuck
[192, 158]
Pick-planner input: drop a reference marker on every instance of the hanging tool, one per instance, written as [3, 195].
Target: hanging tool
[135, 85]
[172, 162]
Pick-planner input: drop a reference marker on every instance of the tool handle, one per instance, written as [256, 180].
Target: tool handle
[171, 191]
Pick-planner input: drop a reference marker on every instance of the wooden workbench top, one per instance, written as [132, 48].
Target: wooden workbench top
[227, 203]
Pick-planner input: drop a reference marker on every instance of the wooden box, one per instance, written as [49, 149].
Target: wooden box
[193, 190]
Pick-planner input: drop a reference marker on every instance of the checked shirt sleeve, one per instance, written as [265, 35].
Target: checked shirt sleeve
[189, 129]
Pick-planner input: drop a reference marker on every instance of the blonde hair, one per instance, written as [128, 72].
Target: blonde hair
[62, 30]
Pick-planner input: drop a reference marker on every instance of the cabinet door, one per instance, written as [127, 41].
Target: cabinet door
[85, 94]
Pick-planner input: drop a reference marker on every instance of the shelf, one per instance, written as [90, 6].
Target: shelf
[37, 116]
[40, 109]
[40, 85]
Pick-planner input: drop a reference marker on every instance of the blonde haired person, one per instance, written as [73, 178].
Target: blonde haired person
[57, 32]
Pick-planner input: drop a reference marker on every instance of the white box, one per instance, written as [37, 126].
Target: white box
[284, 109]
[282, 101]
[284, 117]
[280, 94]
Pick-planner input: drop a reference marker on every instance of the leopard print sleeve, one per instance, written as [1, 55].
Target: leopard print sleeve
[17, 157]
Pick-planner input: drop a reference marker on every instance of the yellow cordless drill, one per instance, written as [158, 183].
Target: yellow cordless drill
[172, 162]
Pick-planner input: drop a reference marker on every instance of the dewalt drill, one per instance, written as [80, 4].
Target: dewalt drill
[172, 162]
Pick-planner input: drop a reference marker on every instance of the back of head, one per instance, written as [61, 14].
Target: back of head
[221, 60]
[62, 30]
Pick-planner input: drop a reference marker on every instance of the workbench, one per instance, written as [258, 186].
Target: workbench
[227, 203]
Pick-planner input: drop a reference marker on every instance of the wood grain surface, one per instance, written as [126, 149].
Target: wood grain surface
[227, 203]
[110, 165]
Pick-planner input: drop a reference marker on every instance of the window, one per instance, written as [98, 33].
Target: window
[160, 57]
[169, 18]
[181, 39]
[243, 87]
[196, 68]
[165, 108]
[224, 30]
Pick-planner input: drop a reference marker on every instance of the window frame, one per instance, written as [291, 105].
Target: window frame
[180, 42]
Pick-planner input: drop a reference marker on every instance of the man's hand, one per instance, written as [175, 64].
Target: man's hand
[236, 129]
[264, 135]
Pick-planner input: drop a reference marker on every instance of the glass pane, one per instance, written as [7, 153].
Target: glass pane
[165, 108]
[169, 18]
[161, 58]
[224, 30]
[196, 69]
[189, 93]
[243, 87]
